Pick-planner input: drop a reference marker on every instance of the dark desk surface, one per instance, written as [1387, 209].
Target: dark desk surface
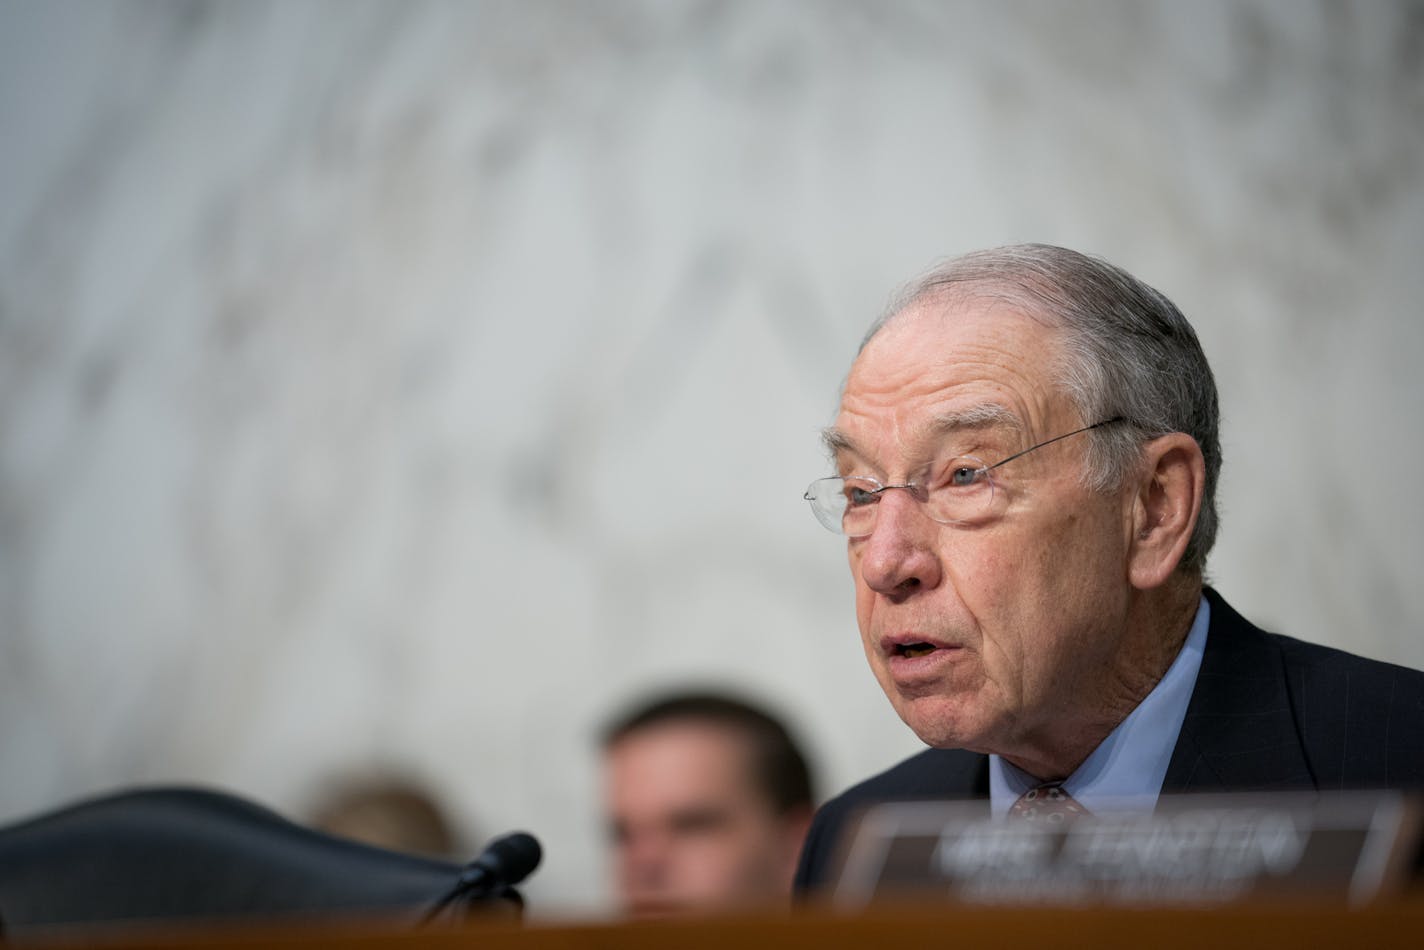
[1398, 923]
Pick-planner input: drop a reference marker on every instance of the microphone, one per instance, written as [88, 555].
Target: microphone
[504, 862]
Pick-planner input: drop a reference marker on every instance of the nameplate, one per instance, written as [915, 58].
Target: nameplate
[1189, 850]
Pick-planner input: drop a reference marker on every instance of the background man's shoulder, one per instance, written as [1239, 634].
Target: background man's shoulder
[932, 774]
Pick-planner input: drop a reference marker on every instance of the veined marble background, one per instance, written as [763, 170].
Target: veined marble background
[410, 384]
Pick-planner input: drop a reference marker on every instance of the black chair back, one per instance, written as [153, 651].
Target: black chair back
[190, 854]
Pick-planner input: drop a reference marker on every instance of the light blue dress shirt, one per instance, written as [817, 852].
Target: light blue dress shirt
[1125, 772]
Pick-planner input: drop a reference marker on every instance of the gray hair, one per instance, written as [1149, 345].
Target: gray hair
[1127, 351]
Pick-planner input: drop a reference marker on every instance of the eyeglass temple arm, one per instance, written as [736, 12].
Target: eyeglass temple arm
[1056, 438]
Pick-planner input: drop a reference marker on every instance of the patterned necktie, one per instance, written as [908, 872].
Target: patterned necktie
[1048, 802]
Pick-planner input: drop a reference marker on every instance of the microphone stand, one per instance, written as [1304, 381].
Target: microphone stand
[506, 861]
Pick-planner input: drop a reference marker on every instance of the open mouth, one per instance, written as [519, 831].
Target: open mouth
[913, 650]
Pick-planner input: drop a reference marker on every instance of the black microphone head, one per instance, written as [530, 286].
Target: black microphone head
[509, 858]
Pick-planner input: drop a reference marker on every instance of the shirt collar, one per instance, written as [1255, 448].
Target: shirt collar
[1125, 771]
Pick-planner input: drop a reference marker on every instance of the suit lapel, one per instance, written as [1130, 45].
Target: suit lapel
[1240, 731]
[981, 779]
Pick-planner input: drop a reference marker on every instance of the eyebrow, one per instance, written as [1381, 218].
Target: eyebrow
[836, 441]
[988, 415]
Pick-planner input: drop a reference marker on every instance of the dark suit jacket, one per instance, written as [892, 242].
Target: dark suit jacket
[1267, 713]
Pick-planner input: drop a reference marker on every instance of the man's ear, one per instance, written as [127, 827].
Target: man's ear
[1165, 507]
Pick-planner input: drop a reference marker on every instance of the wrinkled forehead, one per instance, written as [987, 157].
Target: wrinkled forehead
[940, 367]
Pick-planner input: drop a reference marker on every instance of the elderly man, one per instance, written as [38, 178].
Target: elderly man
[1027, 457]
[708, 800]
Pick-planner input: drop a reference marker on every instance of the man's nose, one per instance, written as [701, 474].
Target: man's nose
[899, 556]
[645, 858]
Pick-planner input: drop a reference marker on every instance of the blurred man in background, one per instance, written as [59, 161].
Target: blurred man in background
[708, 800]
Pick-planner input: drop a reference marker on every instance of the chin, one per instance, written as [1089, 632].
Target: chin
[941, 723]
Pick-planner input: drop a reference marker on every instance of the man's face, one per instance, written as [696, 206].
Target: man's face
[985, 635]
[691, 831]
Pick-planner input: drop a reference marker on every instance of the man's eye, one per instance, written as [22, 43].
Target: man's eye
[964, 476]
[855, 497]
[700, 822]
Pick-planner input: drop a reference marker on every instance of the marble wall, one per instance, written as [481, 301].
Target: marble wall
[405, 385]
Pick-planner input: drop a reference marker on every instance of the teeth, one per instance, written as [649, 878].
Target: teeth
[916, 649]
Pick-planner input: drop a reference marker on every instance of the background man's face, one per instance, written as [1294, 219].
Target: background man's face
[1017, 619]
[691, 831]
